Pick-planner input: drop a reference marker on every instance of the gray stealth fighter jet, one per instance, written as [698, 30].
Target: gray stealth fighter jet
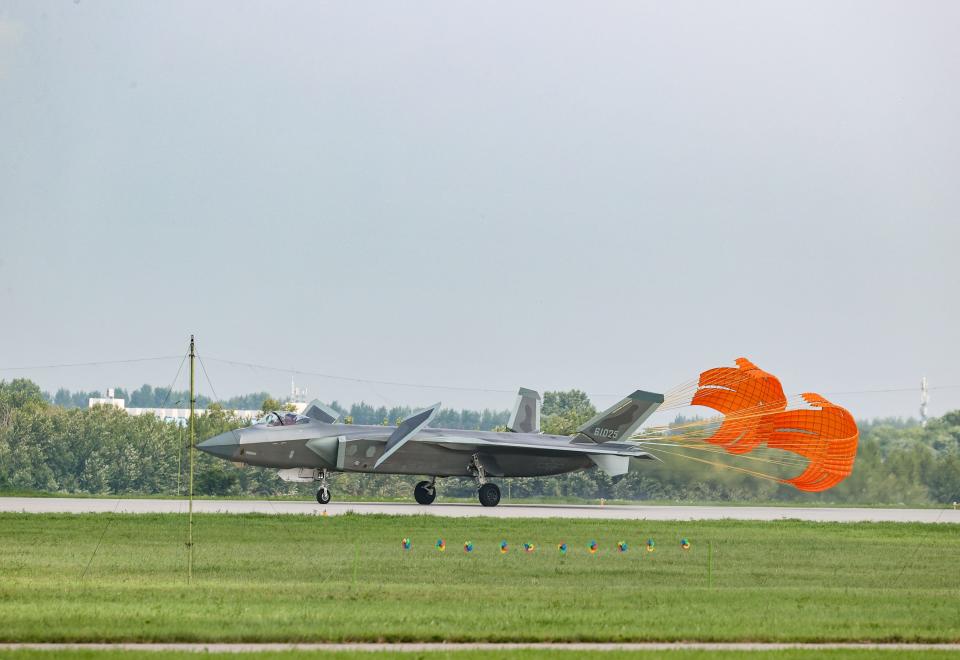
[308, 447]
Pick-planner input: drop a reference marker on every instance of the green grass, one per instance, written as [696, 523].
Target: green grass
[346, 578]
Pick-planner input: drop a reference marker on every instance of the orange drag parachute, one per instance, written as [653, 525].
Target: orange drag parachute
[746, 396]
[756, 413]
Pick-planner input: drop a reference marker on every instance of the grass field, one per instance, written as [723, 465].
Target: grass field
[786, 654]
[343, 578]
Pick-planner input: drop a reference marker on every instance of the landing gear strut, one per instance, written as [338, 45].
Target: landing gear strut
[323, 493]
[487, 493]
[425, 492]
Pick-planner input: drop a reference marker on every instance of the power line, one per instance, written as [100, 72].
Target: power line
[486, 389]
[371, 381]
[209, 382]
[173, 382]
[90, 364]
[902, 389]
[367, 381]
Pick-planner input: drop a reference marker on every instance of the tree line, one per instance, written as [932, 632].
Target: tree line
[147, 396]
[71, 449]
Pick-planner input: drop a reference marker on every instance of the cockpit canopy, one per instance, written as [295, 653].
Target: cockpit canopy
[282, 418]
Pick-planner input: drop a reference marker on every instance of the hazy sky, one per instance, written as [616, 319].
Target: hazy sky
[600, 195]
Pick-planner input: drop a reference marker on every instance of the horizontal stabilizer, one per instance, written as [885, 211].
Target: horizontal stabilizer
[526, 412]
[321, 413]
[406, 430]
[623, 418]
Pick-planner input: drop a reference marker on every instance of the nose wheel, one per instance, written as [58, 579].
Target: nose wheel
[425, 492]
[323, 493]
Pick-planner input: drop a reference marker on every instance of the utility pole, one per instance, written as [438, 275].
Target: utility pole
[924, 400]
[179, 455]
[193, 400]
[179, 449]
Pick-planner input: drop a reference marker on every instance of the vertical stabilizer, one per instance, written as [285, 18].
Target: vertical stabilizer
[321, 413]
[623, 418]
[526, 412]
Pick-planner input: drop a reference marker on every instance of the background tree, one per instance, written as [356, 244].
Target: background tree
[72, 449]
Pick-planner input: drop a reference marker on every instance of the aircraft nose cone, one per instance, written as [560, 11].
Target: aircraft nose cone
[223, 446]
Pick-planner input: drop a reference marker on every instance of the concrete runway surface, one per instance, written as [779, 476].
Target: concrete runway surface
[418, 647]
[633, 512]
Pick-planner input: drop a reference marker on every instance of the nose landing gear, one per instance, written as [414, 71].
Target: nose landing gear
[425, 492]
[323, 493]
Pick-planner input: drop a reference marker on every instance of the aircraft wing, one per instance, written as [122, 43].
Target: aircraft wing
[466, 443]
[406, 430]
[612, 458]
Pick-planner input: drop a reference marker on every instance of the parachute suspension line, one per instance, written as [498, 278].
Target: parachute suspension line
[792, 400]
[680, 395]
[754, 473]
[709, 449]
[696, 427]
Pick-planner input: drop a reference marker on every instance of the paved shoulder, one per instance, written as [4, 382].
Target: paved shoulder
[636, 512]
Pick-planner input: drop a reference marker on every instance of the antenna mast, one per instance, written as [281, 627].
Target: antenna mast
[193, 401]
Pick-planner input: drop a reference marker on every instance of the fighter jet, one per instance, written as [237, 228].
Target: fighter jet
[309, 446]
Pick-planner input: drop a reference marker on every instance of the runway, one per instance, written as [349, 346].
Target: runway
[633, 512]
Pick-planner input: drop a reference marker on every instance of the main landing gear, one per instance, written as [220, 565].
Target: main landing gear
[425, 492]
[488, 493]
[323, 493]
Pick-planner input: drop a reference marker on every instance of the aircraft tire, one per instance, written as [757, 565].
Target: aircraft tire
[323, 496]
[424, 494]
[489, 494]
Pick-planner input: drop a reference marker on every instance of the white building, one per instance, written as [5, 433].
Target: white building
[178, 415]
